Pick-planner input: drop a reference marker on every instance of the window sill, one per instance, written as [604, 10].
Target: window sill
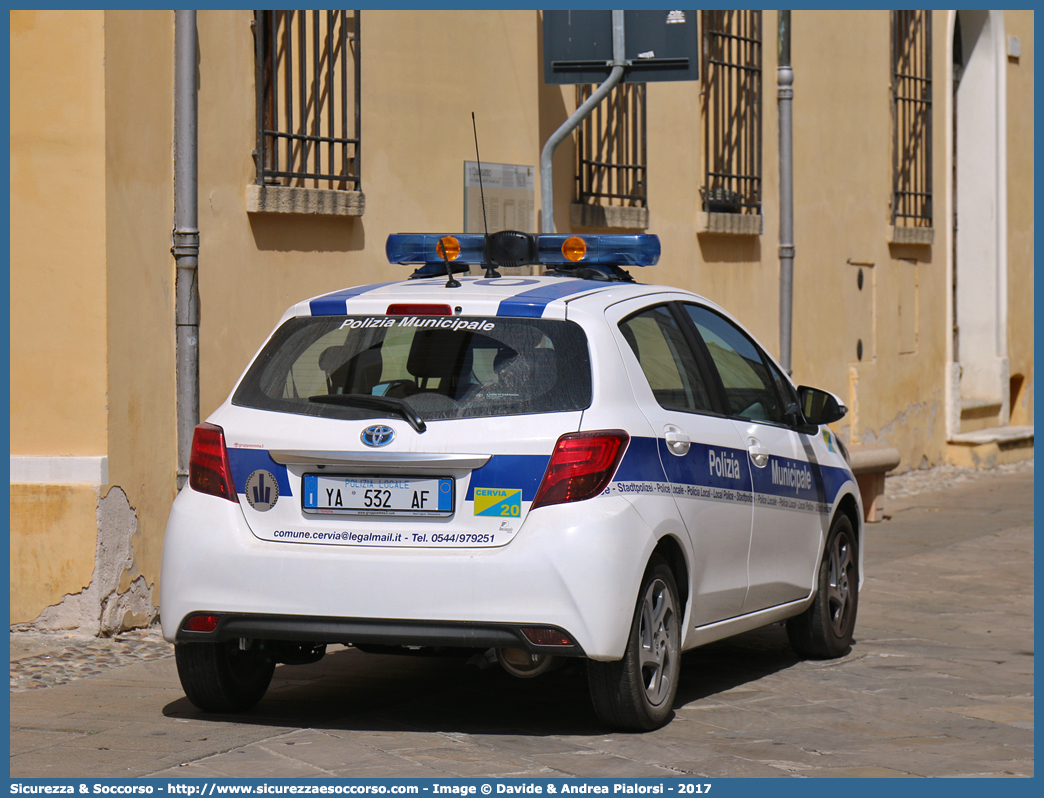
[733, 224]
[613, 216]
[911, 235]
[306, 201]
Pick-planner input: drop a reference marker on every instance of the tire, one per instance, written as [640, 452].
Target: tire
[824, 630]
[219, 677]
[637, 692]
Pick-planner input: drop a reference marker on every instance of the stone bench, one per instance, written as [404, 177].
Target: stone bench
[870, 464]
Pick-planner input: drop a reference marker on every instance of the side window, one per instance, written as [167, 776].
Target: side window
[783, 387]
[667, 360]
[748, 383]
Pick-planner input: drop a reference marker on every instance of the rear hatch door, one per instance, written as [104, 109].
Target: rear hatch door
[415, 431]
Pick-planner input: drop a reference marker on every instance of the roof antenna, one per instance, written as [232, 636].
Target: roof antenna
[490, 271]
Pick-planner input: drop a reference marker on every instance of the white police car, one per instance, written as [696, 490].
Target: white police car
[572, 465]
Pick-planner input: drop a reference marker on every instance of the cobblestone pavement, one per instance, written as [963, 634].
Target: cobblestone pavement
[944, 477]
[48, 658]
[45, 659]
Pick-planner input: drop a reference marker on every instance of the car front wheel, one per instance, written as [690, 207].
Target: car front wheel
[223, 677]
[637, 692]
[824, 630]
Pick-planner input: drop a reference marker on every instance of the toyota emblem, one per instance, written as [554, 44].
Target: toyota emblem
[377, 435]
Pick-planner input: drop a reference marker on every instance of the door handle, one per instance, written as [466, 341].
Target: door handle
[758, 454]
[677, 441]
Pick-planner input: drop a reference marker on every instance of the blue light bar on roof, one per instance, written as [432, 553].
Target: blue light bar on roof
[469, 248]
[421, 248]
[602, 250]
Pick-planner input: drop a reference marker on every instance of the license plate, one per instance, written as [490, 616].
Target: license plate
[356, 495]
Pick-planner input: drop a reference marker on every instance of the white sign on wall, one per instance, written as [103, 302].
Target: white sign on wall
[508, 189]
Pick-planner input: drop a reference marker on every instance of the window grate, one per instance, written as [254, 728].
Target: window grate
[731, 95]
[307, 78]
[912, 118]
[610, 146]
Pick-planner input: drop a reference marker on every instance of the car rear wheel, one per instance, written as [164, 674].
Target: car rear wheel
[637, 692]
[223, 677]
[824, 630]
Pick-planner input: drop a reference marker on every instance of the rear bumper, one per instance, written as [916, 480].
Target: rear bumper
[574, 567]
[379, 631]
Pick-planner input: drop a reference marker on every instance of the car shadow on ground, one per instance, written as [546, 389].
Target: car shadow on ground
[719, 667]
[352, 691]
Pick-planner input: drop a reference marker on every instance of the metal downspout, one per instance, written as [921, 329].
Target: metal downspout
[785, 96]
[186, 236]
[547, 198]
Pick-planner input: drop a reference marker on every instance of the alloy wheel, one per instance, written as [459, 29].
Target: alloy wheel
[838, 599]
[658, 656]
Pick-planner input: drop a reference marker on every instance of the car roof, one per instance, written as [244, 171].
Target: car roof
[518, 296]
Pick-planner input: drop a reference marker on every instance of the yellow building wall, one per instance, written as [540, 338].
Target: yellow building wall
[52, 544]
[843, 171]
[139, 191]
[58, 295]
[92, 181]
[58, 360]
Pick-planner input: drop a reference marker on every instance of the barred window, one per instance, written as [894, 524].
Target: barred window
[731, 100]
[912, 118]
[610, 158]
[307, 82]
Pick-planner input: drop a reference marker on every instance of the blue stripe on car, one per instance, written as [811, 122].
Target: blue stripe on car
[531, 304]
[245, 462]
[696, 469]
[648, 460]
[641, 462]
[510, 471]
[337, 304]
[645, 459]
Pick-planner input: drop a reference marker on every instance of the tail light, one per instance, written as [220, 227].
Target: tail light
[209, 471]
[581, 466]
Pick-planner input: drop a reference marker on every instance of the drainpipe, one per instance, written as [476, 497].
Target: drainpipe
[547, 199]
[785, 95]
[186, 236]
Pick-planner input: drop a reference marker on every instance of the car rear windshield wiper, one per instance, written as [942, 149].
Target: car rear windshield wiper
[397, 406]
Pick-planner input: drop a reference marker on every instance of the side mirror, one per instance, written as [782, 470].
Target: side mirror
[820, 407]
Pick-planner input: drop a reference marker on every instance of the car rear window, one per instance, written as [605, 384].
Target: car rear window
[443, 367]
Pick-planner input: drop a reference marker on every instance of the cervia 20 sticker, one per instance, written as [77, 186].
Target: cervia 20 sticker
[499, 502]
[262, 490]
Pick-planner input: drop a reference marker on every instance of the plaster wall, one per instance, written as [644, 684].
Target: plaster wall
[58, 294]
[842, 196]
[91, 126]
[57, 311]
[139, 81]
[53, 534]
